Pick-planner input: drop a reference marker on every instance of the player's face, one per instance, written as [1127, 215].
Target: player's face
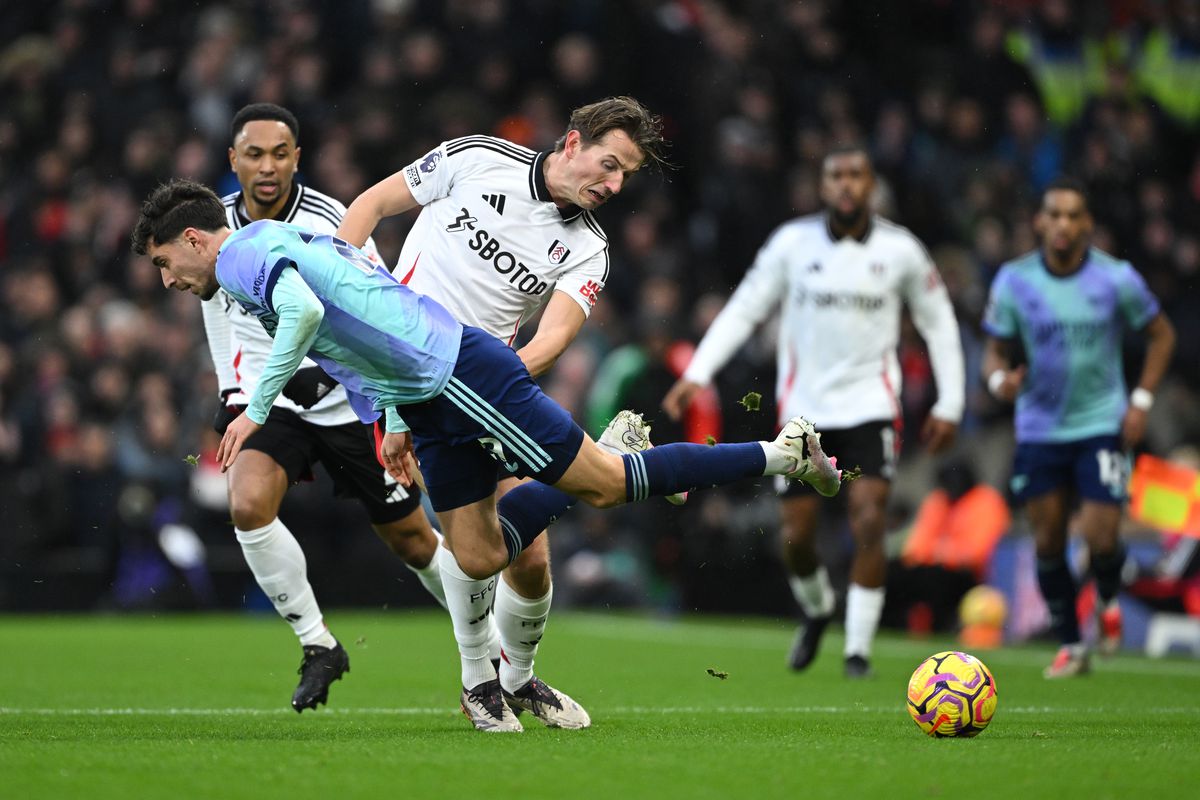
[186, 265]
[598, 171]
[265, 157]
[1063, 222]
[846, 185]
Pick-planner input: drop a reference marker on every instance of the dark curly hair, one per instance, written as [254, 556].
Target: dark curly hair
[173, 207]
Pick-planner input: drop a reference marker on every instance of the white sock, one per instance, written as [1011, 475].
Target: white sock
[778, 462]
[813, 593]
[521, 622]
[863, 608]
[469, 602]
[275, 558]
[430, 576]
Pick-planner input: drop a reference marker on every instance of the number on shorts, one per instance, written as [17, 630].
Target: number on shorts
[496, 451]
[887, 437]
[1114, 470]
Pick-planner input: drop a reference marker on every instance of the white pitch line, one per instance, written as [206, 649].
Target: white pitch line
[691, 635]
[616, 710]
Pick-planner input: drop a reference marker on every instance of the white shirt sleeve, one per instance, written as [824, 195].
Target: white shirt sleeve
[431, 176]
[216, 330]
[933, 314]
[585, 281]
[760, 291]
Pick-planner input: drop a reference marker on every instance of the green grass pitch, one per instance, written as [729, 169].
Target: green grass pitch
[198, 707]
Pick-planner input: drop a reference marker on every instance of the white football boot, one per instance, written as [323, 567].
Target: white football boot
[628, 433]
[485, 706]
[801, 442]
[553, 708]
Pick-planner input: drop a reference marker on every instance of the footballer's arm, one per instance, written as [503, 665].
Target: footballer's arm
[558, 327]
[300, 313]
[387, 198]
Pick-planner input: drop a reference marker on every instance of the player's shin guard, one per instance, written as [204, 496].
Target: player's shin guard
[528, 510]
[1107, 569]
[469, 602]
[278, 564]
[521, 622]
[1058, 590]
[682, 467]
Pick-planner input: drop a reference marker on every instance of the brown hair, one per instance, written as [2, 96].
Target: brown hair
[623, 113]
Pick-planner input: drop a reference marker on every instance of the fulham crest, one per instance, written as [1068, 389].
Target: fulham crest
[558, 252]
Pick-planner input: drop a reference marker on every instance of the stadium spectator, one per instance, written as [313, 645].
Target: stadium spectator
[948, 548]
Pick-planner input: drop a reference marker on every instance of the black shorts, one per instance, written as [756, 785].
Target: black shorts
[873, 447]
[348, 453]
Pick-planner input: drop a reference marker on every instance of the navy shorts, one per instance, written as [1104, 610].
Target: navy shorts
[490, 413]
[1097, 469]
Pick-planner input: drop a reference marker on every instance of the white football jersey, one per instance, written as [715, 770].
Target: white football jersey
[489, 244]
[237, 341]
[840, 322]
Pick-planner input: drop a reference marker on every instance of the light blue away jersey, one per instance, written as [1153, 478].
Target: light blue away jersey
[386, 344]
[1071, 328]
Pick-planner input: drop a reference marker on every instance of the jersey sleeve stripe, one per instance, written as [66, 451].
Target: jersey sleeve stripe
[495, 145]
[331, 218]
[317, 199]
[515, 149]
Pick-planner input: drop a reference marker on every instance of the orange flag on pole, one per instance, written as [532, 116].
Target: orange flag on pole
[1165, 496]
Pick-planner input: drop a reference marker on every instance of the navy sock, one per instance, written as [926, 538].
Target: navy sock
[1058, 590]
[528, 510]
[682, 467]
[1107, 569]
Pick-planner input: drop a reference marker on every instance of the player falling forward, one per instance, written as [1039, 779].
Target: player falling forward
[309, 422]
[1066, 307]
[466, 397]
[503, 232]
[841, 278]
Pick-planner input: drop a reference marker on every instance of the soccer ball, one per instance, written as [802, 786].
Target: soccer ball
[983, 605]
[952, 694]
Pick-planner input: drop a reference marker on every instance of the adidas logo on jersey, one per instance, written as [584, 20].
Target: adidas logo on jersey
[496, 201]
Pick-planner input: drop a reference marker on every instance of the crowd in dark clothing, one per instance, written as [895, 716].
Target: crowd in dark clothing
[968, 109]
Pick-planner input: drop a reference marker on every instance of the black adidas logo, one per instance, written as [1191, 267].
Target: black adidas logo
[496, 201]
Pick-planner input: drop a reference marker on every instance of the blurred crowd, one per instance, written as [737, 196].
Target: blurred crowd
[968, 108]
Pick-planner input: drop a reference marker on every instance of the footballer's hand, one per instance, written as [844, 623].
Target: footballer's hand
[679, 397]
[236, 434]
[308, 386]
[938, 434]
[396, 454]
[1133, 427]
[1010, 387]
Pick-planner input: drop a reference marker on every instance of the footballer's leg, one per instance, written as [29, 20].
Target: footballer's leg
[415, 541]
[1048, 514]
[1099, 523]
[523, 597]
[470, 560]
[808, 578]
[866, 504]
[257, 483]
